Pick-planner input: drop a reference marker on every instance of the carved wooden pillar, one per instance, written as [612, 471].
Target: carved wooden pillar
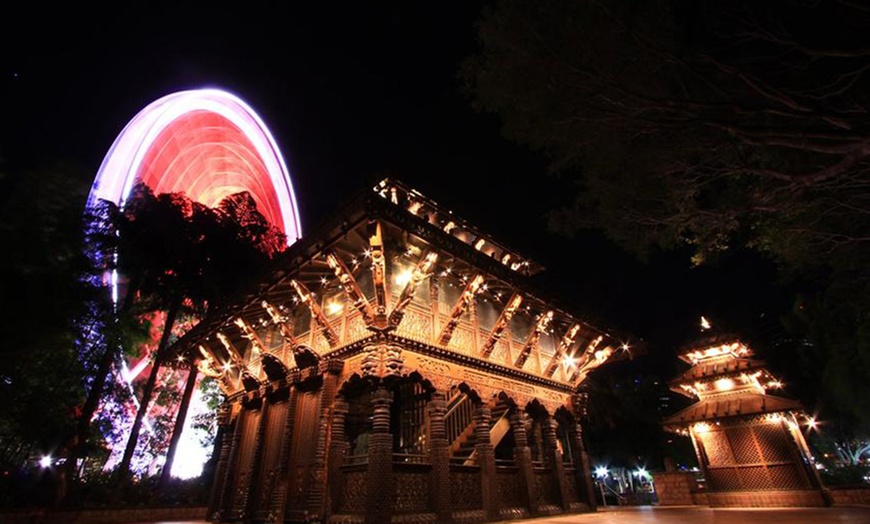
[486, 459]
[337, 453]
[523, 460]
[582, 471]
[226, 428]
[226, 498]
[379, 478]
[439, 456]
[256, 462]
[279, 496]
[317, 495]
[554, 457]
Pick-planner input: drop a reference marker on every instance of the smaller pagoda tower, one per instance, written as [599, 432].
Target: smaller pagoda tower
[749, 443]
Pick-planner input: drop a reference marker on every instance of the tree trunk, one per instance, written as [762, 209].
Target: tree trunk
[124, 468]
[83, 425]
[180, 418]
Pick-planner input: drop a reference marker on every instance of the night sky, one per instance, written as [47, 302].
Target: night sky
[353, 92]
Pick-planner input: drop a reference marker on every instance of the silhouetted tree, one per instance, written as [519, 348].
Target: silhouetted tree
[177, 254]
[43, 372]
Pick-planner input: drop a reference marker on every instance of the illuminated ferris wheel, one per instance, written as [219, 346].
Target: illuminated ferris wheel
[207, 144]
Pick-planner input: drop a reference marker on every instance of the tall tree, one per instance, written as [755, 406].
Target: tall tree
[177, 254]
[708, 124]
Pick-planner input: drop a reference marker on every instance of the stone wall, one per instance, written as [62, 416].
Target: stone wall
[848, 497]
[675, 488]
[767, 499]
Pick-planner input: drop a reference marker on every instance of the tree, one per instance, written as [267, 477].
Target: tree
[180, 256]
[708, 124]
[43, 370]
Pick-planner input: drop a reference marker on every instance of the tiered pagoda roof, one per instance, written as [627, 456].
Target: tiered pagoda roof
[332, 275]
[726, 382]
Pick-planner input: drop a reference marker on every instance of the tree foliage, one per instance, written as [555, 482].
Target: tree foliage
[180, 257]
[708, 124]
[42, 373]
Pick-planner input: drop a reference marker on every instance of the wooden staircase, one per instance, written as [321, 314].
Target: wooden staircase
[463, 442]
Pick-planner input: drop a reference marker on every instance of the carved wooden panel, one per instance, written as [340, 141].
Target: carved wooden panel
[321, 345]
[754, 478]
[416, 325]
[272, 438]
[444, 374]
[508, 488]
[353, 493]
[787, 476]
[501, 353]
[723, 479]
[716, 445]
[412, 492]
[545, 488]
[775, 444]
[462, 342]
[465, 490]
[356, 328]
[303, 447]
[571, 485]
[743, 445]
[250, 419]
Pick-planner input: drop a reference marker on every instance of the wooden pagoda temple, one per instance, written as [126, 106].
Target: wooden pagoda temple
[399, 366]
[749, 443]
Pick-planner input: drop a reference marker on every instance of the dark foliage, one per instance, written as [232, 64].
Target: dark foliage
[706, 124]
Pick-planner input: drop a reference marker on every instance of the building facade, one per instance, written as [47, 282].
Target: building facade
[398, 366]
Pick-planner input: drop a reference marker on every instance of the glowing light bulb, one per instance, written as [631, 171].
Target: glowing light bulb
[45, 461]
[724, 384]
[701, 427]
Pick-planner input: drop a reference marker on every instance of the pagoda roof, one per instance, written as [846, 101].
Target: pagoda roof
[411, 222]
[730, 406]
[711, 341]
[716, 369]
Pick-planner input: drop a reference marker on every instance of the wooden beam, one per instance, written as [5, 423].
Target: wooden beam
[422, 270]
[257, 348]
[249, 333]
[351, 288]
[585, 357]
[379, 271]
[541, 326]
[208, 366]
[562, 350]
[316, 312]
[503, 319]
[599, 358]
[280, 321]
[459, 308]
[235, 356]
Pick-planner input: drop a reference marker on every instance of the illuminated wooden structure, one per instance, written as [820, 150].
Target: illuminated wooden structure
[398, 366]
[749, 444]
